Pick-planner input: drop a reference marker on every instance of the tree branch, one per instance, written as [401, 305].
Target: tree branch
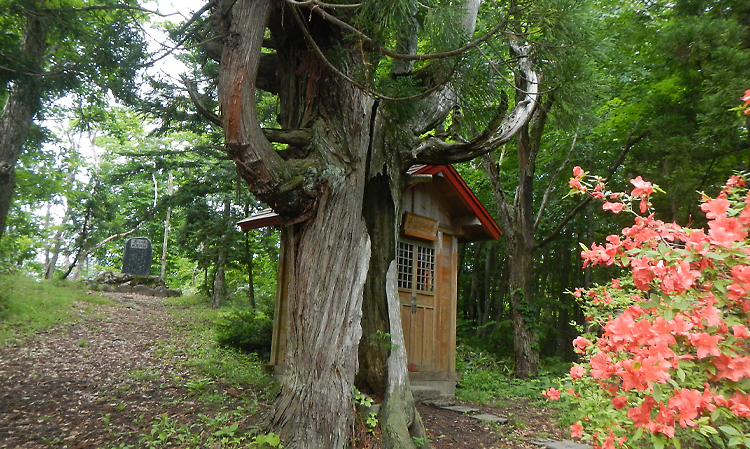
[320, 4]
[314, 46]
[290, 189]
[194, 18]
[404, 56]
[85, 253]
[108, 8]
[629, 143]
[437, 151]
[504, 208]
[297, 137]
[198, 102]
[113, 237]
[552, 181]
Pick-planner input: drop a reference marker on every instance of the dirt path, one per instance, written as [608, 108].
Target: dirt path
[103, 381]
[87, 384]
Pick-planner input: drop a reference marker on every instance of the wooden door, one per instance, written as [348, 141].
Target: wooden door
[417, 292]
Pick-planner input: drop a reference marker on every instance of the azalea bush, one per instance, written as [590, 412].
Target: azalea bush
[745, 108]
[665, 352]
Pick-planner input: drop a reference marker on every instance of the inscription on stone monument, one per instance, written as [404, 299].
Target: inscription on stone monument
[137, 257]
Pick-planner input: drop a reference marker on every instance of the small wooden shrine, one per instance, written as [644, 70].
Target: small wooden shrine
[438, 214]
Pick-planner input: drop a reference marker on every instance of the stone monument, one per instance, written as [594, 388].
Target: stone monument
[137, 257]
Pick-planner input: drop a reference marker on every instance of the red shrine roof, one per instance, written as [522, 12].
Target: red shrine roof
[453, 189]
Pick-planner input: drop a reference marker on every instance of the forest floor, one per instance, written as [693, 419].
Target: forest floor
[120, 376]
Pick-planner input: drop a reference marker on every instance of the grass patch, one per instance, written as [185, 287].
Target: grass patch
[195, 319]
[486, 379]
[213, 431]
[28, 305]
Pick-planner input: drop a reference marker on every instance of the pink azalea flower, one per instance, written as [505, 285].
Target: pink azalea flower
[642, 188]
[577, 371]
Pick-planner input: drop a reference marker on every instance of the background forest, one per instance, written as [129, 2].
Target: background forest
[638, 88]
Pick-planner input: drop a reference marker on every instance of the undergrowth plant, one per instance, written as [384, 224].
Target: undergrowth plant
[247, 330]
[165, 431]
[485, 378]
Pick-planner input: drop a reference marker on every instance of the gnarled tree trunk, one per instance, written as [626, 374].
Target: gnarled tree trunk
[337, 189]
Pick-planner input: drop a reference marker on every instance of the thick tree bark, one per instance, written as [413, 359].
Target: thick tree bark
[20, 108]
[331, 248]
[314, 408]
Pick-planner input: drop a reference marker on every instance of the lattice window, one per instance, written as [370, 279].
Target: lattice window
[418, 276]
[405, 262]
[425, 269]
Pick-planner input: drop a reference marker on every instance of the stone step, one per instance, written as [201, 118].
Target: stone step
[425, 393]
[490, 418]
[565, 444]
[460, 409]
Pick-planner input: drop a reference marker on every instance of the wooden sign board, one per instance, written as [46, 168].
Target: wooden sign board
[419, 227]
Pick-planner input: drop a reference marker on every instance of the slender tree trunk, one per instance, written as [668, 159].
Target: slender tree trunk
[526, 351]
[78, 265]
[221, 259]
[401, 424]
[201, 248]
[49, 272]
[474, 287]
[170, 187]
[517, 222]
[20, 108]
[48, 246]
[219, 287]
[82, 241]
[487, 296]
[249, 255]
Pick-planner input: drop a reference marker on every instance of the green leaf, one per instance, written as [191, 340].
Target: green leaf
[657, 392]
[658, 441]
[729, 430]
[715, 256]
